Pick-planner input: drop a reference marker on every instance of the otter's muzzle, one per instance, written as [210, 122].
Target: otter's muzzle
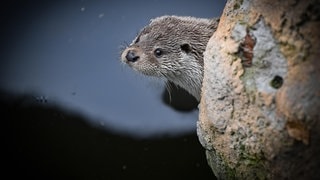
[131, 56]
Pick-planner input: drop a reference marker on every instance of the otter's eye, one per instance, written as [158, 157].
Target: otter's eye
[158, 52]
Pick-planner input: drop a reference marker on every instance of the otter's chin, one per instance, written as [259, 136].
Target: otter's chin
[145, 69]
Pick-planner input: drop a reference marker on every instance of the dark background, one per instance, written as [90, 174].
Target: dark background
[72, 110]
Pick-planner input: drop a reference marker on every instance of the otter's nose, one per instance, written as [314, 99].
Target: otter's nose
[131, 56]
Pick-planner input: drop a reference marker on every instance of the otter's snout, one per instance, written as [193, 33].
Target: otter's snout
[132, 56]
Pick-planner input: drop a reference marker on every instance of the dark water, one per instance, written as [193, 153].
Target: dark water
[71, 110]
[43, 142]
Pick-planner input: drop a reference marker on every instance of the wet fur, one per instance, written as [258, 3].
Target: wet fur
[182, 41]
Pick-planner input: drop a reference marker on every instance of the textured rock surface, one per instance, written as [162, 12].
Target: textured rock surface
[259, 112]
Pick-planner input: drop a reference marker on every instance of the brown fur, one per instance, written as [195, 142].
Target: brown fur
[180, 43]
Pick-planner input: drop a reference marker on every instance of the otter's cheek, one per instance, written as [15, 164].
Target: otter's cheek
[146, 67]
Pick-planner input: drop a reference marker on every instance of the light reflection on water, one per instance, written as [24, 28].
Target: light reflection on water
[68, 54]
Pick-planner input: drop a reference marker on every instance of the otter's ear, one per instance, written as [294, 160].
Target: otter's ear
[185, 47]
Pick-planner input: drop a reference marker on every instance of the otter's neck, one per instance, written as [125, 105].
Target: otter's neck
[190, 79]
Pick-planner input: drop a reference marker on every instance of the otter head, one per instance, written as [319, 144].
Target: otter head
[171, 47]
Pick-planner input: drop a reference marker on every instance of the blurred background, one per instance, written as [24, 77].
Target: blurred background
[72, 110]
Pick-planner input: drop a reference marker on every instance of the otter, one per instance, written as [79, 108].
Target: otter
[172, 47]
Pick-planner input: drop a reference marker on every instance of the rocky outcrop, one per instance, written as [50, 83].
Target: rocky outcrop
[259, 112]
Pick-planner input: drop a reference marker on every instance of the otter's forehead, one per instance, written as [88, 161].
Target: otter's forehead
[160, 30]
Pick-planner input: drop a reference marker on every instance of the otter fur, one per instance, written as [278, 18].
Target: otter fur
[172, 47]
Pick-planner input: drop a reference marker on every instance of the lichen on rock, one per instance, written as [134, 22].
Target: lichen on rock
[251, 123]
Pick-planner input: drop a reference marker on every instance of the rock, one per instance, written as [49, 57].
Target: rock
[259, 111]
